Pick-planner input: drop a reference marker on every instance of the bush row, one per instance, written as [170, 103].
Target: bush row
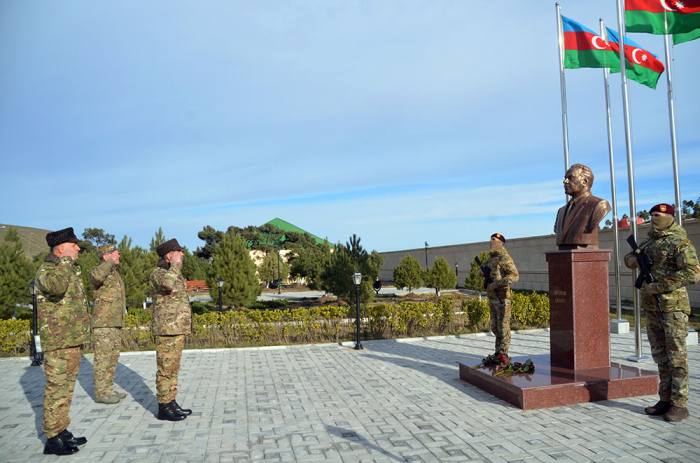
[310, 325]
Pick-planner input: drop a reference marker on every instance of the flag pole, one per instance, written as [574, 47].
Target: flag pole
[672, 123]
[630, 179]
[613, 187]
[562, 82]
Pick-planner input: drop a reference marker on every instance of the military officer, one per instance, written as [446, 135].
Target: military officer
[503, 273]
[64, 326]
[172, 319]
[674, 265]
[109, 307]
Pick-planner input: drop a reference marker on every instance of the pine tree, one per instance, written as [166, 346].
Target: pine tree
[408, 274]
[441, 275]
[158, 239]
[232, 262]
[346, 260]
[16, 271]
[134, 272]
[474, 281]
[268, 270]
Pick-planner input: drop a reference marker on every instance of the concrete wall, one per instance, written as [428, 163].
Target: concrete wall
[528, 254]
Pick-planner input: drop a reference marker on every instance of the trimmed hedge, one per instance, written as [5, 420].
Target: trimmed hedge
[239, 328]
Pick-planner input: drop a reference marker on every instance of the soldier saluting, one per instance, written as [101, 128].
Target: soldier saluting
[64, 326]
[674, 265]
[172, 319]
[107, 322]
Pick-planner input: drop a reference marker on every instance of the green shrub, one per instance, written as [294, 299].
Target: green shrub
[478, 312]
[199, 307]
[271, 304]
[530, 309]
[15, 336]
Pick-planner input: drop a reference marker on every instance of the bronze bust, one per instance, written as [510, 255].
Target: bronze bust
[576, 226]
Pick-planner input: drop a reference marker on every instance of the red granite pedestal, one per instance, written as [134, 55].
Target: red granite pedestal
[578, 368]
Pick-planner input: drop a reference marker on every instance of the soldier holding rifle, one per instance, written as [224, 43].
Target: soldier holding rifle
[499, 272]
[673, 265]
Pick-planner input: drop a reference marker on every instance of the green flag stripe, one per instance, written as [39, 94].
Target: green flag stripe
[687, 37]
[576, 59]
[655, 23]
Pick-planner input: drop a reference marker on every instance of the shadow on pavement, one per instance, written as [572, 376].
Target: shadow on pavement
[352, 436]
[33, 382]
[124, 377]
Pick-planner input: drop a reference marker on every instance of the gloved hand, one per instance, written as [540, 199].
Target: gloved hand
[493, 286]
[631, 261]
[651, 288]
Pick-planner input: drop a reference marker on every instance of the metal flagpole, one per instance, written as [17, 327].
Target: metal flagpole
[616, 247]
[630, 177]
[672, 122]
[562, 81]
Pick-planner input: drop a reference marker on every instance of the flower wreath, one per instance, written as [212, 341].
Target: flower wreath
[504, 366]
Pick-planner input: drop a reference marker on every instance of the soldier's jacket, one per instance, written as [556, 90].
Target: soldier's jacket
[171, 305]
[62, 316]
[674, 266]
[109, 296]
[503, 272]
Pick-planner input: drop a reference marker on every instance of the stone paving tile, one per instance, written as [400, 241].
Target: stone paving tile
[392, 402]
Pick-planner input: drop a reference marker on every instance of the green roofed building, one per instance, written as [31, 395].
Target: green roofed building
[288, 227]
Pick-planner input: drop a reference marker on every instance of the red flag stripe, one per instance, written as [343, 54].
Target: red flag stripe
[664, 6]
[584, 41]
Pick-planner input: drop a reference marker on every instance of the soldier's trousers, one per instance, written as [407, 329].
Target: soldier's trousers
[107, 342]
[168, 356]
[61, 368]
[668, 349]
[500, 323]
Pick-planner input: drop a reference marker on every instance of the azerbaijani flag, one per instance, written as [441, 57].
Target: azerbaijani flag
[662, 16]
[583, 48]
[647, 67]
[687, 37]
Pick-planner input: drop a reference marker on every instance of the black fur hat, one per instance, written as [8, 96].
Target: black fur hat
[61, 236]
[170, 245]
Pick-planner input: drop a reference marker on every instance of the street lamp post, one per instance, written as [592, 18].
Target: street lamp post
[426, 254]
[36, 352]
[457, 273]
[279, 278]
[357, 279]
[220, 285]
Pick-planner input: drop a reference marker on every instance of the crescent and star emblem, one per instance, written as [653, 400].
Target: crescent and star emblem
[593, 41]
[634, 58]
[665, 6]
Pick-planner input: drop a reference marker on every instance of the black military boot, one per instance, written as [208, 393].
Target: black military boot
[167, 412]
[660, 408]
[180, 410]
[57, 446]
[68, 437]
[675, 414]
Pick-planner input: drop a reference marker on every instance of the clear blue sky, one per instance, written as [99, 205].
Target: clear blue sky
[401, 121]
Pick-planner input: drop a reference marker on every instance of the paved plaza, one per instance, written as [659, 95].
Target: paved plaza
[391, 402]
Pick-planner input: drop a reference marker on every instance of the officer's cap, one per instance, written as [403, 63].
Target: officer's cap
[663, 207]
[170, 245]
[498, 236]
[61, 236]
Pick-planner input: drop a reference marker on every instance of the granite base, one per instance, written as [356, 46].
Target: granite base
[552, 386]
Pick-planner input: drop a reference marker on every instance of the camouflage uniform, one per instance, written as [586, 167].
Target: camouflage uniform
[107, 323]
[674, 266]
[503, 273]
[64, 326]
[172, 319]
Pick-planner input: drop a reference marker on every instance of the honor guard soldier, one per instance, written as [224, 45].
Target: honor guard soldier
[674, 265]
[502, 274]
[64, 326]
[109, 307]
[172, 320]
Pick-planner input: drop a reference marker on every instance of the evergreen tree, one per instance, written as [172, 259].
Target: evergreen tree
[16, 271]
[441, 275]
[134, 272]
[268, 270]
[211, 238]
[474, 281]
[232, 262]
[98, 237]
[408, 274]
[158, 239]
[308, 260]
[193, 267]
[87, 260]
[346, 260]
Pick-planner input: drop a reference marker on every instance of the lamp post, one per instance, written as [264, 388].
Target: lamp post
[36, 352]
[220, 285]
[279, 278]
[426, 254]
[457, 273]
[357, 279]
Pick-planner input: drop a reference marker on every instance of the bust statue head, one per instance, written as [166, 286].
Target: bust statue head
[578, 180]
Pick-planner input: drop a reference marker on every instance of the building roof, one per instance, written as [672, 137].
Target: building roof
[288, 227]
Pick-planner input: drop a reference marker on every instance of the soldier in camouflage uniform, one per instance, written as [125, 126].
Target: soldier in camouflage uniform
[172, 319]
[107, 322]
[504, 274]
[64, 326]
[674, 266]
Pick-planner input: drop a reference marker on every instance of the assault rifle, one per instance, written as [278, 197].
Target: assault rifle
[644, 263]
[488, 279]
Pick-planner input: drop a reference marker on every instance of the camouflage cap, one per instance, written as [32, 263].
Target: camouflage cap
[663, 207]
[170, 245]
[106, 249]
[61, 236]
[498, 236]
